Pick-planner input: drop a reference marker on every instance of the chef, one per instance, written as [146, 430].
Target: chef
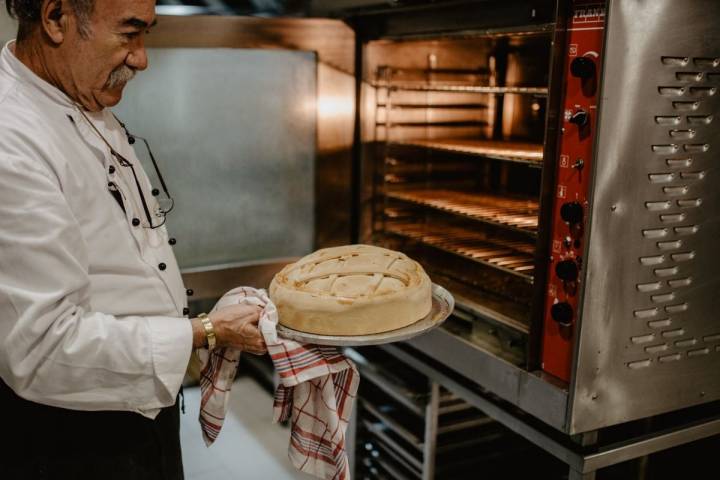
[94, 335]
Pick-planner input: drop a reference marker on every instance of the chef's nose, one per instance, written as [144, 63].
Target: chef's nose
[137, 58]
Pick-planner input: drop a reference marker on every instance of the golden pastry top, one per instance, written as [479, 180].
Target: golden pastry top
[351, 272]
[351, 290]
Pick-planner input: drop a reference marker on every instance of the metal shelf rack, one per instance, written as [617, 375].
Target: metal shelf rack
[413, 428]
[519, 214]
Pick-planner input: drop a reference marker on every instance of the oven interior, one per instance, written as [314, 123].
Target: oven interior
[453, 132]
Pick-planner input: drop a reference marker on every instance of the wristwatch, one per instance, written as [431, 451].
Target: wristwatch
[209, 331]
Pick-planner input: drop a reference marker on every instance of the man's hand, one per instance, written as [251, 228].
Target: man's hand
[235, 326]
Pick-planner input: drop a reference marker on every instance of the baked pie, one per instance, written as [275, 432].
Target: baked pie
[351, 290]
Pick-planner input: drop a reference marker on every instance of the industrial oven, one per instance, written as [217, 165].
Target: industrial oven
[554, 165]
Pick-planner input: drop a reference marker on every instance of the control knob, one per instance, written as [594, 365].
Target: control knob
[572, 212]
[562, 313]
[582, 67]
[567, 270]
[579, 118]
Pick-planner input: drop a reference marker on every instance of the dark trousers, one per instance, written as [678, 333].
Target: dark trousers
[48, 443]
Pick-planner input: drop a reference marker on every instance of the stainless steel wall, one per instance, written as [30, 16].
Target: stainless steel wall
[234, 132]
[8, 26]
[333, 43]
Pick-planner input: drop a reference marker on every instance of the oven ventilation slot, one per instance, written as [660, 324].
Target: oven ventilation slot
[673, 287]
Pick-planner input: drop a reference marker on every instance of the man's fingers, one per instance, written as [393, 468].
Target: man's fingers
[241, 310]
[257, 347]
[242, 321]
[251, 313]
[257, 351]
[249, 331]
[252, 339]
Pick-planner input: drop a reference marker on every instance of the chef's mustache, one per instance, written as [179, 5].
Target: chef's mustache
[120, 76]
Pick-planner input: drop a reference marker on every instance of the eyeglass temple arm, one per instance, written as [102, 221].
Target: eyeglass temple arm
[152, 158]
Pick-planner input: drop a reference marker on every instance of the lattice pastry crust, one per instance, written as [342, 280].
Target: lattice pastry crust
[351, 290]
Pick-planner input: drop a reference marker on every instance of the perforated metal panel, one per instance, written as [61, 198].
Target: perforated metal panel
[687, 117]
[649, 341]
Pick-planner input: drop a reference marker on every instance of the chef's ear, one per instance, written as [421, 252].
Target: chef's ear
[54, 18]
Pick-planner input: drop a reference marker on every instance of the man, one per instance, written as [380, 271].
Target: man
[94, 342]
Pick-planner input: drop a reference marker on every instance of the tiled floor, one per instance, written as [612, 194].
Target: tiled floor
[250, 446]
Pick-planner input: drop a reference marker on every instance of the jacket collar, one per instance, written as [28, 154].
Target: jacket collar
[14, 67]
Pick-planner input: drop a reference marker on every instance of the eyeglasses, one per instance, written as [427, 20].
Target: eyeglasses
[166, 203]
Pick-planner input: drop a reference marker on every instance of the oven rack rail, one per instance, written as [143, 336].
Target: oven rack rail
[520, 152]
[514, 257]
[385, 71]
[395, 441]
[433, 106]
[436, 124]
[401, 389]
[462, 88]
[391, 453]
[446, 438]
[516, 214]
[416, 441]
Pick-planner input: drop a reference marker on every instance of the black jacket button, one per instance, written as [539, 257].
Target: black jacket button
[111, 169]
[155, 192]
[162, 266]
[186, 311]
[189, 292]
[172, 241]
[135, 222]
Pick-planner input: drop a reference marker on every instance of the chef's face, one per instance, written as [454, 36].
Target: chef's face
[106, 56]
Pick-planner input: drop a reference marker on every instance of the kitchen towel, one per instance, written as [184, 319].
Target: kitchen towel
[317, 390]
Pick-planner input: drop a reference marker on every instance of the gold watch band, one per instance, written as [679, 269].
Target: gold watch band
[209, 331]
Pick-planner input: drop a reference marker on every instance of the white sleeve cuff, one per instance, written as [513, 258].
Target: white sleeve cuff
[171, 340]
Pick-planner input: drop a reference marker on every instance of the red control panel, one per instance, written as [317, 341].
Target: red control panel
[585, 34]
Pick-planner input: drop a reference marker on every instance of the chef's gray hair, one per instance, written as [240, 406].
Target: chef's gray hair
[27, 12]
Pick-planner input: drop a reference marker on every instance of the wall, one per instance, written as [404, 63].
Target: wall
[8, 27]
[233, 132]
[333, 43]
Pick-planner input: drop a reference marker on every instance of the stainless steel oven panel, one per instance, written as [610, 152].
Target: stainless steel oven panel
[649, 339]
[540, 396]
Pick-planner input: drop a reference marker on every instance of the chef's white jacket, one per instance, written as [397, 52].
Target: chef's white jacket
[89, 318]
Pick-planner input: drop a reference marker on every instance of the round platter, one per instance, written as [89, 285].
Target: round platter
[442, 306]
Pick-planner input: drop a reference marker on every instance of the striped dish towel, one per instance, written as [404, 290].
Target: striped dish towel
[219, 369]
[317, 391]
